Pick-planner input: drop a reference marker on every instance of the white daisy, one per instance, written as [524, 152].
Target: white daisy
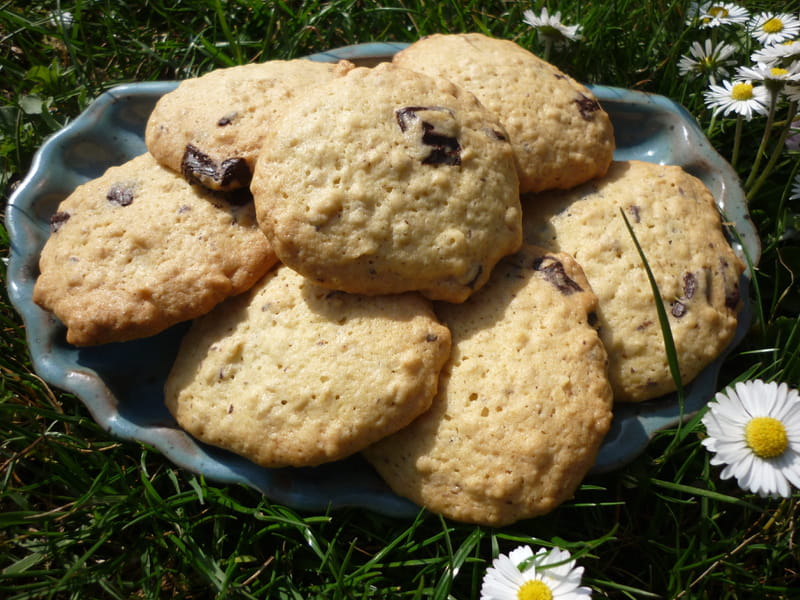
[777, 53]
[523, 575]
[716, 14]
[754, 430]
[707, 60]
[792, 92]
[795, 195]
[740, 97]
[766, 72]
[773, 28]
[551, 27]
[62, 18]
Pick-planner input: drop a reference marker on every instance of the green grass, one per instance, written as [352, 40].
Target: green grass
[86, 516]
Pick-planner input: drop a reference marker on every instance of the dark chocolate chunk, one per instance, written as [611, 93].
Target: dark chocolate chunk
[239, 197]
[553, 271]
[198, 167]
[678, 309]
[445, 149]
[732, 296]
[689, 285]
[408, 114]
[587, 107]
[121, 194]
[227, 119]
[57, 220]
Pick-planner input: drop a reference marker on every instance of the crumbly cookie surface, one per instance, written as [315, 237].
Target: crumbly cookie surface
[676, 221]
[210, 127]
[523, 403]
[139, 249]
[295, 374]
[385, 181]
[560, 133]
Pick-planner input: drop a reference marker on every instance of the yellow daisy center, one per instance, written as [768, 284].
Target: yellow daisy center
[718, 11]
[773, 25]
[742, 91]
[534, 590]
[766, 437]
[778, 72]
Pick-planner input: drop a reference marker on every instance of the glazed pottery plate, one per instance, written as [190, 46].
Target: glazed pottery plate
[121, 384]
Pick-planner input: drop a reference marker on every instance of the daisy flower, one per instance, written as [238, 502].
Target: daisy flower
[716, 14]
[766, 72]
[550, 27]
[523, 575]
[62, 18]
[795, 195]
[773, 28]
[707, 60]
[792, 92]
[777, 53]
[740, 97]
[773, 76]
[754, 430]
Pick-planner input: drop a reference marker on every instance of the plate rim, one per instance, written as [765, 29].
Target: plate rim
[88, 387]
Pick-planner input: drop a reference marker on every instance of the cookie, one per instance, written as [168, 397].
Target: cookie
[210, 127]
[677, 224]
[139, 249]
[295, 374]
[386, 181]
[560, 133]
[523, 402]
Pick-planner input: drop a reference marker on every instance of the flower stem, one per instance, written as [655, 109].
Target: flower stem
[737, 141]
[548, 46]
[762, 148]
[776, 153]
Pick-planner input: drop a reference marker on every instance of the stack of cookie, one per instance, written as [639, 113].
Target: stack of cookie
[423, 261]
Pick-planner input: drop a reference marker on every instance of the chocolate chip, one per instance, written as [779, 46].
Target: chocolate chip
[553, 271]
[431, 337]
[445, 149]
[227, 119]
[239, 197]
[689, 285]
[678, 309]
[121, 193]
[200, 168]
[732, 296]
[57, 220]
[587, 107]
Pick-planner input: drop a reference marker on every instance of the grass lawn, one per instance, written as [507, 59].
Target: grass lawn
[84, 515]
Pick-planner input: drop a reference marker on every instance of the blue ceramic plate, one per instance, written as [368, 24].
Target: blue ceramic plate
[121, 384]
